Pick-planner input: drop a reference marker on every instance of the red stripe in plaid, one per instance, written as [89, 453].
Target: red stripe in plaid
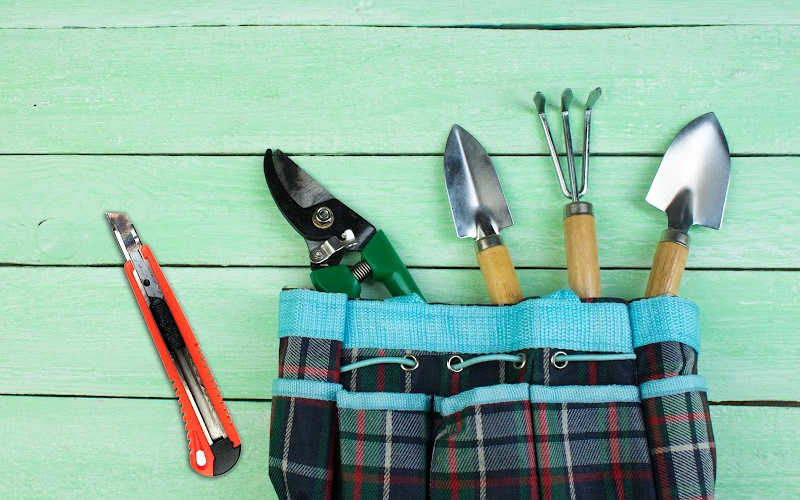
[613, 439]
[451, 455]
[542, 442]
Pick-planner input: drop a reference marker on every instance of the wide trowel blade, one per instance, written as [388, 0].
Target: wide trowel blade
[477, 201]
[692, 181]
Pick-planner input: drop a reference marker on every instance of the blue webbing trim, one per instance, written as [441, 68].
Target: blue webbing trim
[673, 385]
[559, 320]
[383, 401]
[306, 313]
[308, 389]
[480, 396]
[665, 318]
[584, 394]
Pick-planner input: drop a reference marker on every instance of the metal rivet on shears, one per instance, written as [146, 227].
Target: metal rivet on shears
[323, 217]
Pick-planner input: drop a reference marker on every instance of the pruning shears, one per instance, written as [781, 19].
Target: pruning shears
[331, 229]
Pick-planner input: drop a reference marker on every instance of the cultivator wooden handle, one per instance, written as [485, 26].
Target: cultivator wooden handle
[583, 266]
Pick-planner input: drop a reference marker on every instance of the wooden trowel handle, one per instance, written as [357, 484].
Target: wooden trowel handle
[668, 264]
[583, 267]
[499, 275]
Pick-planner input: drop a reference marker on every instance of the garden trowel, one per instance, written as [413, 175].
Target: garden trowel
[480, 211]
[690, 186]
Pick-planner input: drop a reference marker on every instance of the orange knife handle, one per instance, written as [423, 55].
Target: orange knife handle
[202, 463]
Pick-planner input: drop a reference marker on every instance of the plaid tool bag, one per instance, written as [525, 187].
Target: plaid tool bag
[549, 398]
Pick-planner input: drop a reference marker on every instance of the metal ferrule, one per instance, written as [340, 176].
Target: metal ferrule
[675, 236]
[577, 208]
[490, 241]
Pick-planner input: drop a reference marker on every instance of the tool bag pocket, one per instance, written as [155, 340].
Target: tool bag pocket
[302, 446]
[484, 445]
[383, 444]
[590, 442]
[303, 425]
[674, 400]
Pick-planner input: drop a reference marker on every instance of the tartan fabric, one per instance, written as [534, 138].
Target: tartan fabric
[681, 445]
[665, 359]
[484, 452]
[302, 448]
[592, 450]
[621, 372]
[309, 359]
[383, 453]
[433, 377]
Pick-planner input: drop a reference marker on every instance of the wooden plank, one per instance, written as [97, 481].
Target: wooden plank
[198, 210]
[114, 448]
[77, 330]
[40, 13]
[386, 90]
[109, 448]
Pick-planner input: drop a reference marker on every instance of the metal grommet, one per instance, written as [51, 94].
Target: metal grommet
[520, 364]
[559, 365]
[410, 368]
[454, 359]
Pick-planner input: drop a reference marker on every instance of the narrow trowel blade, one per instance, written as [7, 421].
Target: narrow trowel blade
[691, 184]
[477, 201]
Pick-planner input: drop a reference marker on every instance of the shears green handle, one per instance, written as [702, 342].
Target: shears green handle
[385, 266]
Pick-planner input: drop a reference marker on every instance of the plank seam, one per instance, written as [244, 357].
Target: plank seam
[499, 26]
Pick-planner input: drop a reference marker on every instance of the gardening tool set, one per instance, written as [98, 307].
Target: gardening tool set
[570, 395]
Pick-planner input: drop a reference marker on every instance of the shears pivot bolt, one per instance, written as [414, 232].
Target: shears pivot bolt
[322, 218]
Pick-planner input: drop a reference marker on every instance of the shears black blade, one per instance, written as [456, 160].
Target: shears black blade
[329, 227]
[287, 178]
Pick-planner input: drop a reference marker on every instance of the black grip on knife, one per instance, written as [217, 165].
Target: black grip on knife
[166, 324]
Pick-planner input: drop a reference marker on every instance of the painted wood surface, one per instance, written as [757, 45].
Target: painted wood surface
[90, 339]
[86, 13]
[387, 90]
[217, 210]
[118, 448]
[152, 118]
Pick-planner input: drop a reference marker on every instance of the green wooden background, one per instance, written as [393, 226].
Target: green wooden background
[164, 112]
